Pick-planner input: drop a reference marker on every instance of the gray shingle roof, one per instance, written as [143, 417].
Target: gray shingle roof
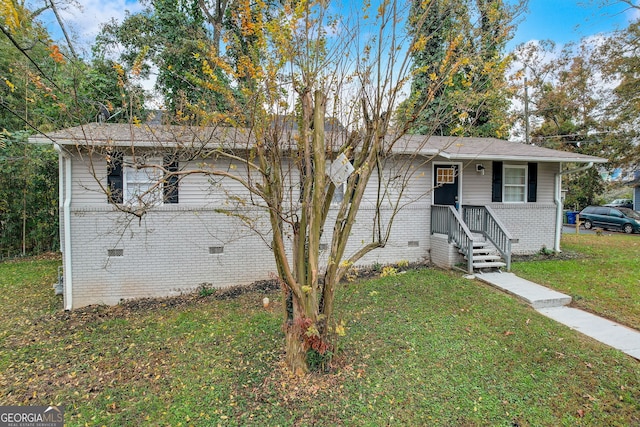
[453, 148]
[474, 148]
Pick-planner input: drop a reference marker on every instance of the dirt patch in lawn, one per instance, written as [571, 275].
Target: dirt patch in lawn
[205, 292]
[548, 256]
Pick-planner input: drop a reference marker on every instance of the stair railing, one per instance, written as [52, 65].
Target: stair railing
[447, 220]
[482, 219]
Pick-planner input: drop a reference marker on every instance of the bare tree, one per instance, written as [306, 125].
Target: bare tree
[315, 119]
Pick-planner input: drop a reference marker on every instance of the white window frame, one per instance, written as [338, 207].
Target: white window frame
[137, 175]
[450, 177]
[523, 186]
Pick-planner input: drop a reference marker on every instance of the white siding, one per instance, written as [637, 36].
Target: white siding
[409, 178]
[89, 174]
[546, 181]
[201, 189]
[198, 189]
[476, 187]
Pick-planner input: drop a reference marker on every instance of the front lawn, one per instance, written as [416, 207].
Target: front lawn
[423, 348]
[602, 274]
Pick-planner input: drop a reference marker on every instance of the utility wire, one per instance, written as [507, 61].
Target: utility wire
[24, 52]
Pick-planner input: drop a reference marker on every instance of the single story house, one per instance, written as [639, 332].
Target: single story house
[204, 229]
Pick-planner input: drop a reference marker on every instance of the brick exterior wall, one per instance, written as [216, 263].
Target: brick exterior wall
[443, 253]
[175, 249]
[167, 252]
[533, 224]
[409, 238]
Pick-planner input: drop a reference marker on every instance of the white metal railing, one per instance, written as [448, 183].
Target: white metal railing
[482, 219]
[447, 220]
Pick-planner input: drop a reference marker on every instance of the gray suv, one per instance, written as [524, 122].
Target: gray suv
[623, 219]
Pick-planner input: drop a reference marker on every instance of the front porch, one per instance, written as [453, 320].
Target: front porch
[473, 236]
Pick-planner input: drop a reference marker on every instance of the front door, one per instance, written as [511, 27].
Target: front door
[446, 178]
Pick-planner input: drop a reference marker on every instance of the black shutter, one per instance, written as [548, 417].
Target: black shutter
[496, 182]
[170, 187]
[353, 193]
[115, 178]
[532, 182]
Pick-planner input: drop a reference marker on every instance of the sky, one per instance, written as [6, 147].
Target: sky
[561, 21]
[565, 21]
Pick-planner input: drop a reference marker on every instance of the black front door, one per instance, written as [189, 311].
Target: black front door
[445, 182]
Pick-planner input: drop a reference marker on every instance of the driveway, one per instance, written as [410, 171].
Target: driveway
[571, 229]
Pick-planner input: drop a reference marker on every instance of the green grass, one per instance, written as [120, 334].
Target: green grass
[423, 348]
[603, 278]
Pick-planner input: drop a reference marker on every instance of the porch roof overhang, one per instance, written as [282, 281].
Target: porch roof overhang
[507, 158]
[489, 149]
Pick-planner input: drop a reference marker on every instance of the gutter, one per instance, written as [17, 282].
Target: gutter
[64, 191]
[558, 201]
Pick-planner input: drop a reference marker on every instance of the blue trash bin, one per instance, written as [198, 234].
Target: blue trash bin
[571, 217]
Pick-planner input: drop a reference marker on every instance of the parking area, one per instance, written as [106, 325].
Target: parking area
[571, 229]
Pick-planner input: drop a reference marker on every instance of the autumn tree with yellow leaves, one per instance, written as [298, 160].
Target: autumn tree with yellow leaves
[312, 87]
[465, 41]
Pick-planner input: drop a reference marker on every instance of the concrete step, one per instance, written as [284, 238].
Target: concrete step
[479, 251]
[489, 264]
[485, 258]
[477, 244]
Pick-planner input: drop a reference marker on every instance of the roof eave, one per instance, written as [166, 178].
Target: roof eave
[531, 159]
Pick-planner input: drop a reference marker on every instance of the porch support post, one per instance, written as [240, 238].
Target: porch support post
[558, 200]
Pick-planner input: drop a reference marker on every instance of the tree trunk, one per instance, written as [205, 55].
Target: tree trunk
[295, 352]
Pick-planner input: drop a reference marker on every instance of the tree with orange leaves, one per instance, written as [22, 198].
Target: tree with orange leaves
[314, 89]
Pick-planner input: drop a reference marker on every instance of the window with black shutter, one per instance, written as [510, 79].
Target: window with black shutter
[170, 185]
[115, 181]
[532, 182]
[496, 182]
[515, 183]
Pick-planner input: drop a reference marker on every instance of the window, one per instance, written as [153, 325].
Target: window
[515, 183]
[170, 184]
[446, 176]
[141, 183]
[114, 177]
[600, 211]
[135, 181]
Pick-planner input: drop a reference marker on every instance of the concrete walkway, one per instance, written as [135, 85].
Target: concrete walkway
[553, 305]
